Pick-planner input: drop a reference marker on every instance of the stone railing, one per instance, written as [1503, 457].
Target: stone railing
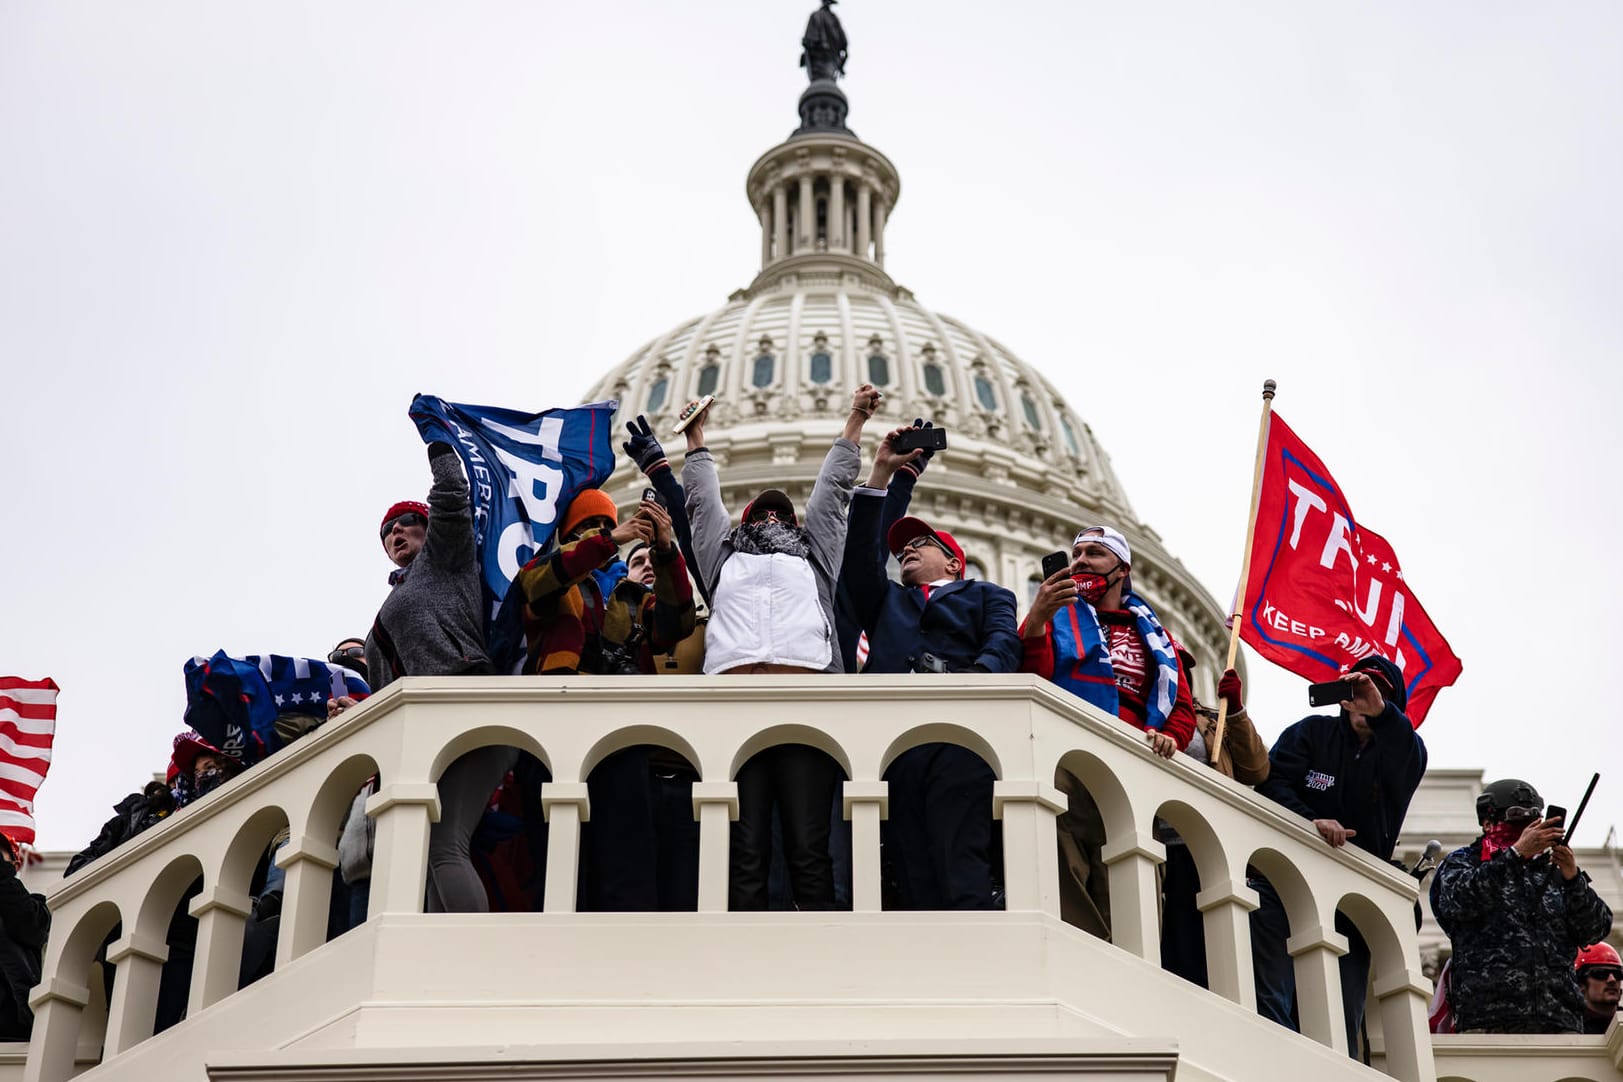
[1023, 727]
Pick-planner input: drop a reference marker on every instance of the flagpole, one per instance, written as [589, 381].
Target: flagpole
[1236, 619]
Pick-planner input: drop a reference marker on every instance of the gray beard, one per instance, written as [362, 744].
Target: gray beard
[766, 538]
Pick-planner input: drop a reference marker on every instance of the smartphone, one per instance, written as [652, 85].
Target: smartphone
[913, 439]
[1328, 693]
[698, 409]
[1054, 563]
[652, 495]
[1553, 813]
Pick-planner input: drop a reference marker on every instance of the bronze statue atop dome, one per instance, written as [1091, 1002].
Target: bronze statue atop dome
[823, 44]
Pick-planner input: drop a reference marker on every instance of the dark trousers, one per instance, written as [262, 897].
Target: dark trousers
[640, 848]
[1276, 970]
[938, 836]
[798, 781]
[1183, 927]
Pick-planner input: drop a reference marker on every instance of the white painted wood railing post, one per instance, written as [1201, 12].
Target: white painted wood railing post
[1135, 903]
[134, 1006]
[1030, 812]
[1227, 908]
[306, 896]
[1404, 1001]
[866, 804]
[221, 915]
[59, 1008]
[715, 806]
[1318, 952]
[404, 813]
[566, 806]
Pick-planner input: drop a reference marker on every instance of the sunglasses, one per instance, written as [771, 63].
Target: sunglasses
[1601, 973]
[409, 519]
[349, 651]
[925, 539]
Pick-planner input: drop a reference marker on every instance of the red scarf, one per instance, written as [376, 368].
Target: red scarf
[1499, 837]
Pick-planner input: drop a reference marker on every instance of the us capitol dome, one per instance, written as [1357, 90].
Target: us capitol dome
[1022, 471]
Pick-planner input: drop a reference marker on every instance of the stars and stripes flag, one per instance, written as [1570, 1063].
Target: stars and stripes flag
[1323, 590]
[27, 729]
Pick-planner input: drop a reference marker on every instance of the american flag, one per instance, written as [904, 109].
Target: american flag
[27, 727]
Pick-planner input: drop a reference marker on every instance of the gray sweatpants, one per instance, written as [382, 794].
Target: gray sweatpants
[465, 788]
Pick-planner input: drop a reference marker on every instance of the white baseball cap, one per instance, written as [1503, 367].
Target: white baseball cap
[1109, 538]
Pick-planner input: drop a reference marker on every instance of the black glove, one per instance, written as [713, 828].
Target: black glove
[642, 448]
[916, 466]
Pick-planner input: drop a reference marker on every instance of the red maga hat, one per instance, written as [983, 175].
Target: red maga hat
[906, 529]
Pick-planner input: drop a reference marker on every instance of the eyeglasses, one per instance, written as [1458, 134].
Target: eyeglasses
[408, 520]
[925, 539]
[1601, 973]
[348, 651]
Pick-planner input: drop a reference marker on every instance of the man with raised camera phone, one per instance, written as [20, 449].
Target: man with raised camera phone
[938, 837]
[1517, 909]
[1352, 774]
[582, 613]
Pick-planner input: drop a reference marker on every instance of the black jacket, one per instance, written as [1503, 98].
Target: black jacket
[1317, 770]
[24, 923]
[132, 815]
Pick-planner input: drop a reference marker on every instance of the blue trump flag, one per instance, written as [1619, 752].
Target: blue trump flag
[523, 471]
[233, 703]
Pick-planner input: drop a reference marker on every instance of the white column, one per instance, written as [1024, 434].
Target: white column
[806, 228]
[866, 803]
[780, 221]
[1030, 812]
[1135, 913]
[864, 219]
[881, 215]
[59, 1007]
[764, 212]
[1318, 952]
[1405, 1003]
[404, 812]
[566, 806]
[837, 240]
[306, 897]
[715, 806]
[1227, 907]
[221, 916]
[134, 1006]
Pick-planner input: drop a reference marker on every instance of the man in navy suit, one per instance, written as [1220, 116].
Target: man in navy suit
[939, 833]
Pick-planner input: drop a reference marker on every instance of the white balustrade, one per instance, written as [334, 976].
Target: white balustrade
[1024, 728]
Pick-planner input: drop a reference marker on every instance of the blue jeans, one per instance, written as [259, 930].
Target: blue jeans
[1275, 969]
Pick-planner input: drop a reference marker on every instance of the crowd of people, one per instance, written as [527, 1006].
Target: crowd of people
[676, 586]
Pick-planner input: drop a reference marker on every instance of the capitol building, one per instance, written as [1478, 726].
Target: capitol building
[1013, 995]
[1022, 473]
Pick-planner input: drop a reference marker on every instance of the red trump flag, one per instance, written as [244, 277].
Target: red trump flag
[1324, 591]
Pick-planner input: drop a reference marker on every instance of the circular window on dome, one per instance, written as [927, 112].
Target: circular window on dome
[985, 392]
[656, 395]
[762, 371]
[709, 376]
[1029, 408]
[935, 380]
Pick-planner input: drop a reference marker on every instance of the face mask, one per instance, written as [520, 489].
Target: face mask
[210, 780]
[1092, 587]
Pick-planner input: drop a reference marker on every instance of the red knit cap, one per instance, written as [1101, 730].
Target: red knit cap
[593, 503]
[401, 508]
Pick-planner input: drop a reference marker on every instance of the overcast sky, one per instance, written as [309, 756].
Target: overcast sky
[235, 239]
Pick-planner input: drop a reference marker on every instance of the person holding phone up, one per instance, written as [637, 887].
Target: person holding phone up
[1516, 908]
[1352, 774]
[938, 837]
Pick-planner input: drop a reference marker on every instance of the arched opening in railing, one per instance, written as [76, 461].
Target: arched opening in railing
[1286, 910]
[75, 1033]
[639, 850]
[249, 867]
[165, 917]
[1375, 957]
[788, 779]
[942, 846]
[468, 770]
[1098, 811]
[337, 817]
[1195, 859]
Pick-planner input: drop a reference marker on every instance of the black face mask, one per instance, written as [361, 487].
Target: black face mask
[159, 799]
[210, 780]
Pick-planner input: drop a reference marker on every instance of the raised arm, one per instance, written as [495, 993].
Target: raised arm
[707, 516]
[646, 451]
[449, 542]
[831, 495]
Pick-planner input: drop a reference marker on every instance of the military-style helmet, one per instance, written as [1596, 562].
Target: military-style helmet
[1508, 799]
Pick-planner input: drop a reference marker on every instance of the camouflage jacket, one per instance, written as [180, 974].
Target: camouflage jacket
[1516, 927]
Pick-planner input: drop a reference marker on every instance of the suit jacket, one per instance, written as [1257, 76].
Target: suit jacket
[965, 623]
